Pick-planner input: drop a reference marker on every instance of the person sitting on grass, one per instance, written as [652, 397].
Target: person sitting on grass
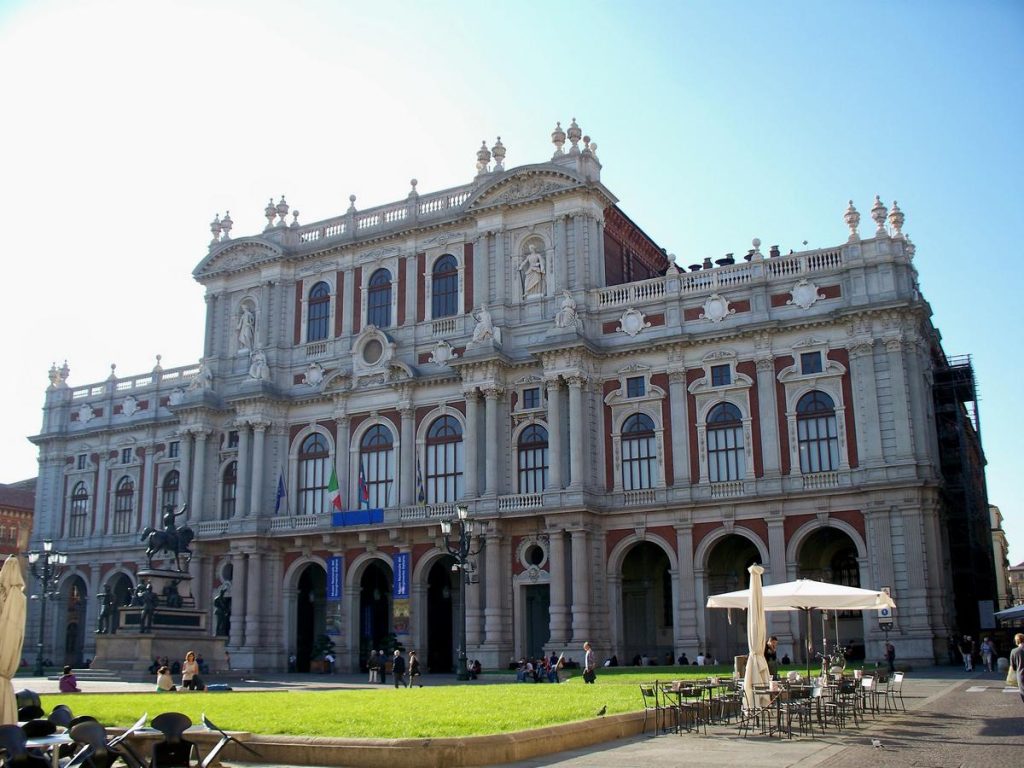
[68, 682]
[164, 681]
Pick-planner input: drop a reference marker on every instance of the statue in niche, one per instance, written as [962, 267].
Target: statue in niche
[484, 330]
[246, 326]
[532, 269]
[222, 612]
[567, 316]
[258, 366]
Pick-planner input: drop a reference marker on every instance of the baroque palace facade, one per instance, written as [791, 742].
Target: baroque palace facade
[628, 435]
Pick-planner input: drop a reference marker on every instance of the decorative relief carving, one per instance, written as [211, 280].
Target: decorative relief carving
[716, 309]
[443, 353]
[129, 406]
[314, 375]
[632, 322]
[804, 294]
[85, 413]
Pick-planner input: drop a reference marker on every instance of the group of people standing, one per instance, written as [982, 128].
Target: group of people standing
[405, 673]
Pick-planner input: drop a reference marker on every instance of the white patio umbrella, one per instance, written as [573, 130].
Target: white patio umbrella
[805, 594]
[757, 666]
[12, 635]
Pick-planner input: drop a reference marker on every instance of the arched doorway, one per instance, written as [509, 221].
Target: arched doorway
[442, 593]
[75, 598]
[646, 603]
[726, 572]
[830, 555]
[375, 587]
[310, 614]
[121, 587]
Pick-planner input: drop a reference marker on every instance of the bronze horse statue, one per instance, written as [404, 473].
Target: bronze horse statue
[172, 539]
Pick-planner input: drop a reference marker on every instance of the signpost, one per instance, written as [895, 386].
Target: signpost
[885, 617]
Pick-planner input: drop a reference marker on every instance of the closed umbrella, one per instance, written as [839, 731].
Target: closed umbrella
[12, 635]
[757, 666]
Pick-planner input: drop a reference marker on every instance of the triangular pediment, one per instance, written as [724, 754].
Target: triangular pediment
[236, 255]
[523, 185]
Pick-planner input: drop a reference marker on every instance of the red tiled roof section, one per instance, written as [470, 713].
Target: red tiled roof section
[16, 496]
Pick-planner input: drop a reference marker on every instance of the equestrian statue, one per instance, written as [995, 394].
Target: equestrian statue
[171, 539]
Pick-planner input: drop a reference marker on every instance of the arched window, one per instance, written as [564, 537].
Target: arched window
[314, 457]
[318, 312]
[378, 299]
[169, 490]
[79, 511]
[228, 491]
[639, 453]
[817, 435]
[533, 459]
[444, 461]
[124, 502]
[376, 466]
[444, 288]
[725, 444]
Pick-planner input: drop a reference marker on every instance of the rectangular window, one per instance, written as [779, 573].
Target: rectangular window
[531, 398]
[636, 386]
[721, 375]
[82, 458]
[173, 450]
[810, 362]
[126, 455]
[233, 439]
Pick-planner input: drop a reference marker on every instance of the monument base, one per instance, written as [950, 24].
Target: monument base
[134, 652]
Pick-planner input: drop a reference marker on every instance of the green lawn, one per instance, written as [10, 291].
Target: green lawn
[438, 711]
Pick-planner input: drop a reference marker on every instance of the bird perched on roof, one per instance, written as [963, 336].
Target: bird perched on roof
[602, 710]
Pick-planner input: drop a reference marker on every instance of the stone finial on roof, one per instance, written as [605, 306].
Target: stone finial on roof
[351, 204]
[158, 368]
[558, 139]
[756, 255]
[113, 372]
[878, 214]
[295, 219]
[483, 158]
[852, 219]
[498, 150]
[215, 229]
[282, 211]
[270, 212]
[413, 194]
[575, 134]
[225, 226]
[896, 219]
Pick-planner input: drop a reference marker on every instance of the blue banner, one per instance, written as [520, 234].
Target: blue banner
[357, 517]
[335, 569]
[401, 576]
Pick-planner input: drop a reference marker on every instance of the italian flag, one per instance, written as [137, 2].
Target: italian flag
[334, 491]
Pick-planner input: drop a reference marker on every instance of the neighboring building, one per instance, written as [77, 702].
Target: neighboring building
[629, 436]
[1015, 577]
[1001, 557]
[17, 501]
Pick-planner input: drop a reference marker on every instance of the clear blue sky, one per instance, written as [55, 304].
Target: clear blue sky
[129, 124]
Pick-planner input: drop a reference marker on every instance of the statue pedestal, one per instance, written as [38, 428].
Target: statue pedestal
[134, 652]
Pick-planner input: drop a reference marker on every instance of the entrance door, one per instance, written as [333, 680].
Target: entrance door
[537, 599]
[441, 631]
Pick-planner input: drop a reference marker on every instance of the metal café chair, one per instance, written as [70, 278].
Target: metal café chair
[649, 693]
[14, 744]
[895, 690]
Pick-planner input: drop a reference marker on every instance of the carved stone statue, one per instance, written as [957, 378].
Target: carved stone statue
[148, 607]
[484, 330]
[258, 366]
[222, 612]
[203, 378]
[246, 326]
[171, 539]
[104, 623]
[567, 316]
[532, 267]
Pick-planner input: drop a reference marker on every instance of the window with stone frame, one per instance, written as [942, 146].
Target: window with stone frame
[639, 453]
[532, 458]
[124, 504]
[726, 457]
[228, 490]
[444, 449]
[444, 291]
[314, 457]
[721, 375]
[79, 511]
[810, 362]
[318, 312]
[636, 386]
[377, 463]
[378, 299]
[817, 433]
[169, 490]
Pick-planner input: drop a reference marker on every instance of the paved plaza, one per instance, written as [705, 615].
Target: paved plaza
[954, 719]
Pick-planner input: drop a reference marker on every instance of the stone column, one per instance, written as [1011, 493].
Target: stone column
[686, 631]
[494, 580]
[238, 594]
[407, 483]
[768, 413]
[199, 477]
[781, 625]
[900, 410]
[481, 269]
[242, 508]
[474, 612]
[342, 456]
[558, 569]
[185, 466]
[211, 311]
[864, 382]
[577, 442]
[258, 458]
[149, 481]
[491, 395]
[680, 429]
[263, 319]
[472, 437]
[580, 587]
[500, 268]
[253, 600]
[555, 451]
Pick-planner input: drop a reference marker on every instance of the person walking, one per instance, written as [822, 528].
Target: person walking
[988, 653]
[890, 656]
[373, 666]
[1017, 662]
[415, 676]
[967, 653]
[398, 668]
[589, 664]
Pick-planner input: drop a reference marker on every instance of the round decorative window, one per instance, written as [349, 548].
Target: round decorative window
[372, 352]
[534, 555]
[532, 552]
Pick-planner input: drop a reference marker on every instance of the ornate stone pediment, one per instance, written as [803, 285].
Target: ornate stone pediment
[523, 185]
[235, 255]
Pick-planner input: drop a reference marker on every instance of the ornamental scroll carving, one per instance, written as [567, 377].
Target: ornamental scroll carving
[632, 322]
[716, 309]
[804, 294]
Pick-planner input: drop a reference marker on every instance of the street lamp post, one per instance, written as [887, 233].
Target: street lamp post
[46, 567]
[461, 550]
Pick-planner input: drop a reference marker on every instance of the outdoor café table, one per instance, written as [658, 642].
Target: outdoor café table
[50, 744]
[689, 697]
